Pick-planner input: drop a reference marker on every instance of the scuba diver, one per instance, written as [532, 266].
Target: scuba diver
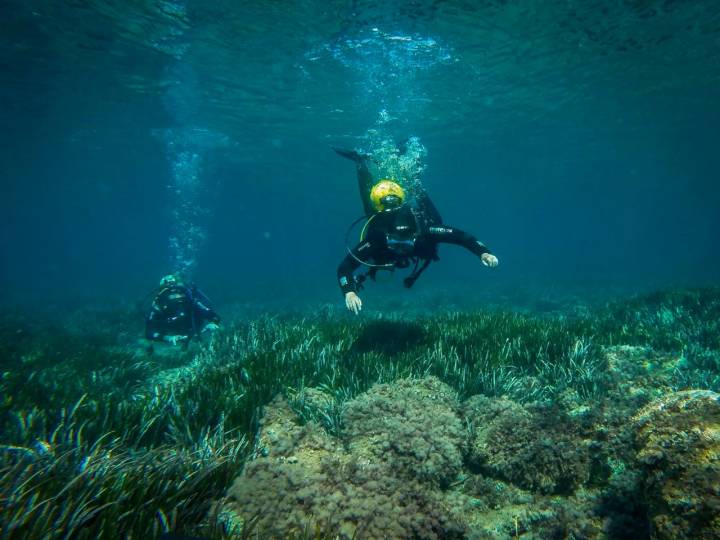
[397, 233]
[179, 312]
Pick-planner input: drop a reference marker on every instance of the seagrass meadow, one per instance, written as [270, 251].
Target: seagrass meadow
[476, 424]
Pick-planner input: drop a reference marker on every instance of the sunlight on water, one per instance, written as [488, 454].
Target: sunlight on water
[385, 64]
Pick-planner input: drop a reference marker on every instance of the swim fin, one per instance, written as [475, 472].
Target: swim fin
[353, 155]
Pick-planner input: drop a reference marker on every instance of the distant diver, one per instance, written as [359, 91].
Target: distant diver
[179, 312]
[397, 233]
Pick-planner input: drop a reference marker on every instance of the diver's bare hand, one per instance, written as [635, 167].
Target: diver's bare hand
[489, 260]
[175, 340]
[353, 302]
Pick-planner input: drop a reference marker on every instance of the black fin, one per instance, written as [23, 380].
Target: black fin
[350, 154]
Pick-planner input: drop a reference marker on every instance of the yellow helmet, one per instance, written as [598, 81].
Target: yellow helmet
[387, 194]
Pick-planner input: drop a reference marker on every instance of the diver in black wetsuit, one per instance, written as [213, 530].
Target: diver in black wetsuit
[397, 234]
[179, 312]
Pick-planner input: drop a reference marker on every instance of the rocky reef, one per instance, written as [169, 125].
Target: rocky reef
[386, 476]
[414, 461]
[535, 448]
[677, 438]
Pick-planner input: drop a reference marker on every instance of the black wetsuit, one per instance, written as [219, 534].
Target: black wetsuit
[400, 238]
[178, 311]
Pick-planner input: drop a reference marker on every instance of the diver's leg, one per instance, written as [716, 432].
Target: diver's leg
[428, 209]
[365, 185]
[364, 176]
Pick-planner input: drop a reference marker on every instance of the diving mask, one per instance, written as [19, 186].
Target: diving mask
[390, 202]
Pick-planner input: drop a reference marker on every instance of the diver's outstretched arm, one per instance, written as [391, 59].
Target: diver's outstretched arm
[451, 235]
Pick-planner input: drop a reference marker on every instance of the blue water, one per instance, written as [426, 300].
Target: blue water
[578, 140]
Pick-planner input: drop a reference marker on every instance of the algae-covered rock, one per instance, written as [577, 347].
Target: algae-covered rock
[678, 441]
[411, 425]
[282, 435]
[534, 448]
[498, 510]
[402, 442]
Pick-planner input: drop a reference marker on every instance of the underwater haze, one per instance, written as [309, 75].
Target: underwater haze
[576, 139]
[571, 391]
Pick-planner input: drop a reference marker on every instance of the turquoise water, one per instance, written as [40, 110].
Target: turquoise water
[575, 139]
[568, 393]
